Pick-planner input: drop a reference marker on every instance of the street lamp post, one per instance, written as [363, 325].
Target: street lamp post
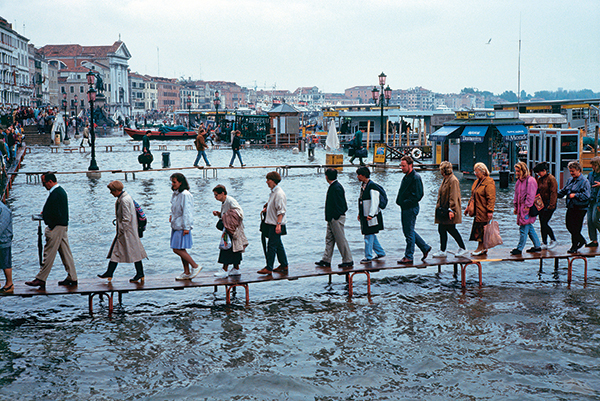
[383, 97]
[64, 104]
[217, 103]
[76, 128]
[91, 77]
[189, 99]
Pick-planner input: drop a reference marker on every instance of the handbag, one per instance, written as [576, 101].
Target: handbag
[362, 152]
[225, 242]
[470, 210]
[538, 203]
[491, 235]
[442, 213]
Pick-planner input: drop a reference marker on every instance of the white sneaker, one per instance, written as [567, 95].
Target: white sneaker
[195, 271]
[544, 247]
[221, 274]
[552, 244]
[461, 252]
[183, 277]
[439, 254]
[235, 272]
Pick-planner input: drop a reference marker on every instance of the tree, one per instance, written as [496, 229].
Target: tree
[509, 96]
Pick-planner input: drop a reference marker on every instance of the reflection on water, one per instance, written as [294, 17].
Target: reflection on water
[524, 335]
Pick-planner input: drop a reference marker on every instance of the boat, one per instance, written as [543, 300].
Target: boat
[164, 133]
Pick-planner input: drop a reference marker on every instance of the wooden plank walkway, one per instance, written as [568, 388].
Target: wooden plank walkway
[120, 285]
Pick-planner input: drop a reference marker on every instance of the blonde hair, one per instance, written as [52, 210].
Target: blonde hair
[115, 185]
[574, 165]
[445, 168]
[482, 167]
[524, 170]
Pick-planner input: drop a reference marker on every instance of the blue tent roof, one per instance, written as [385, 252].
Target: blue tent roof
[474, 133]
[513, 132]
[442, 134]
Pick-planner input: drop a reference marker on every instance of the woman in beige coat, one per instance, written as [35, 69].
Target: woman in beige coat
[448, 211]
[483, 195]
[126, 247]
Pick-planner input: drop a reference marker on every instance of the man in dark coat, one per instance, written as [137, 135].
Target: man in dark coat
[235, 146]
[335, 215]
[409, 195]
[56, 217]
[369, 215]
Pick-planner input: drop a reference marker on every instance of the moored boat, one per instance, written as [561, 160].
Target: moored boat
[163, 133]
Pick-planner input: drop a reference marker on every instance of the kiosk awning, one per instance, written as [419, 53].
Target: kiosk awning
[474, 133]
[513, 132]
[443, 133]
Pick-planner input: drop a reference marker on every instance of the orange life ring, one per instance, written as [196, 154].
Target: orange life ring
[266, 146]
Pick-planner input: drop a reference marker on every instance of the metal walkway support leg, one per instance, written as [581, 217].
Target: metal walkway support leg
[351, 278]
[463, 273]
[228, 289]
[570, 268]
[101, 295]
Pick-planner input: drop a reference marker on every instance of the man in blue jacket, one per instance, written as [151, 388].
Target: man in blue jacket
[335, 215]
[409, 195]
[56, 217]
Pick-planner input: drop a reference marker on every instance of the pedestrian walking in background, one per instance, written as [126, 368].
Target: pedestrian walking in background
[593, 214]
[201, 146]
[231, 223]
[448, 211]
[235, 147]
[335, 216]
[146, 157]
[56, 216]
[182, 221]
[481, 205]
[523, 200]
[357, 144]
[6, 236]
[577, 190]
[275, 222]
[369, 215]
[127, 246]
[548, 189]
[409, 196]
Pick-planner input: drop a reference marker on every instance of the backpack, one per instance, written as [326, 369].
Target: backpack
[383, 199]
[141, 218]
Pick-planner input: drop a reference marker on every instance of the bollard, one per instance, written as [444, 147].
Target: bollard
[504, 176]
[166, 161]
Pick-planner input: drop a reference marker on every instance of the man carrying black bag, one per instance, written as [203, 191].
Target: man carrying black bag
[146, 158]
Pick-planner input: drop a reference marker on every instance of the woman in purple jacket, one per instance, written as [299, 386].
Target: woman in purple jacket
[525, 190]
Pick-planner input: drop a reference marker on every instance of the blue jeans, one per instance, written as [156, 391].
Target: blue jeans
[202, 154]
[372, 244]
[524, 231]
[275, 247]
[409, 219]
[236, 152]
[593, 223]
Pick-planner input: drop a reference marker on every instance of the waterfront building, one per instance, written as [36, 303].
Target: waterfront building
[72, 82]
[309, 96]
[38, 77]
[362, 94]
[15, 88]
[110, 62]
[167, 90]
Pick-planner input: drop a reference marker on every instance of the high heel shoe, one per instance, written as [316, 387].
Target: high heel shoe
[137, 279]
[106, 276]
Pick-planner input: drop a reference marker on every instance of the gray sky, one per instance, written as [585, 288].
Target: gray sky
[438, 44]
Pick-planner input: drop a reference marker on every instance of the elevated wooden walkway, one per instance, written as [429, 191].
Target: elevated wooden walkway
[121, 285]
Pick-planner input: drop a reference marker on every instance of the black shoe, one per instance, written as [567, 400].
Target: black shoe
[322, 263]
[425, 254]
[593, 244]
[572, 250]
[515, 252]
[534, 249]
[36, 283]
[106, 275]
[346, 265]
[405, 261]
[137, 279]
[68, 282]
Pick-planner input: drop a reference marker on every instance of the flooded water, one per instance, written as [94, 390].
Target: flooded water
[524, 335]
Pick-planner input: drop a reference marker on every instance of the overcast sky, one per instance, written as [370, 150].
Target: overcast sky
[441, 45]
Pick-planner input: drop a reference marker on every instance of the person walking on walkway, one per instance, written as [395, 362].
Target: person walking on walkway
[127, 246]
[577, 190]
[593, 214]
[548, 189]
[56, 216]
[369, 215]
[146, 154]
[231, 219]
[235, 146]
[523, 200]
[275, 222]
[448, 212]
[6, 236]
[182, 220]
[481, 205]
[357, 143]
[409, 196]
[335, 216]
[201, 146]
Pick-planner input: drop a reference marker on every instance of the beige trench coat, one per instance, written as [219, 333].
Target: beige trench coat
[126, 247]
[449, 197]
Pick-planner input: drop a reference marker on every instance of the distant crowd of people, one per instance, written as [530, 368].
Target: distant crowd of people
[533, 198]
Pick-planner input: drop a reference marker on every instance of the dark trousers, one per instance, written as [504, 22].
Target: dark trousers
[574, 219]
[275, 248]
[444, 230]
[545, 216]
